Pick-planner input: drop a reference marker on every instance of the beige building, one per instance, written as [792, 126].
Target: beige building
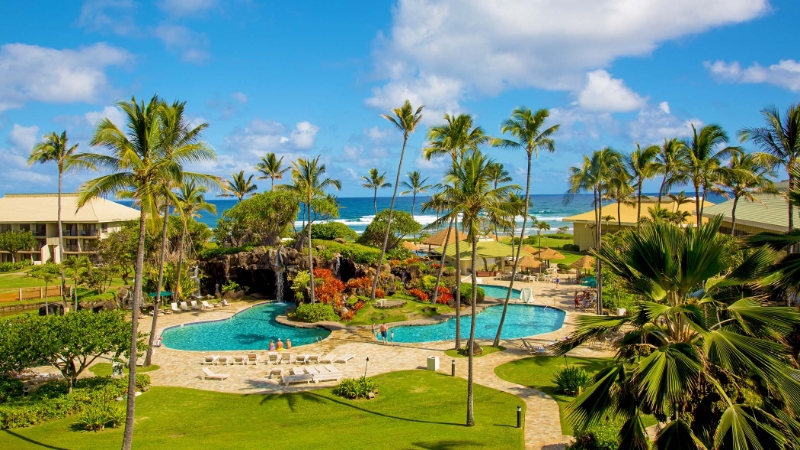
[769, 212]
[584, 234]
[82, 228]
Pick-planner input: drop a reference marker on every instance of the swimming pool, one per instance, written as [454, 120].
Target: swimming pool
[251, 329]
[498, 292]
[521, 321]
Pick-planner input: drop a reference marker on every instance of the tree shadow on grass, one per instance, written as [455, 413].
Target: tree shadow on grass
[448, 445]
[40, 444]
[292, 399]
[388, 416]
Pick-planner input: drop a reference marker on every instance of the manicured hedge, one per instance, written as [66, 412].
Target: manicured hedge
[332, 230]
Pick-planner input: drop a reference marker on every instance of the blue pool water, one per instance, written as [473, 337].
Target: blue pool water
[499, 292]
[251, 329]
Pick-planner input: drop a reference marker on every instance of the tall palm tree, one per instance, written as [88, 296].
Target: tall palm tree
[441, 204]
[239, 187]
[309, 185]
[698, 340]
[471, 188]
[374, 181]
[781, 138]
[594, 175]
[415, 185]
[499, 175]
[705, 159]
[136, 160]
[454, 138]
[55, 148]
[76, 263]
[540, 227]
[621, 192]
[270, 167]
[671, 165]
[747, 175]
[641, 165]
[191, 201]
[525, 128]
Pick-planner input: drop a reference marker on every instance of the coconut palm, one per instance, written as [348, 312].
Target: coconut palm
[671, 165]
[780, 136]
[441, 204]
[239, 187]
[270, 167]
[55, 148]
[706, 149]
[415, 185]
[621, 192]
[309, 186]
[745, 176]
[540, 227]
[470, 187]
[527, 133]
[190, 202]
[700, 355]
[499, 175]
[76, 263]
[374, 181]
[641, 164]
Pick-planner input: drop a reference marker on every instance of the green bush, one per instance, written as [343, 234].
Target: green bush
[603, 436]
[356, 388]
[13, 266]
[332, 230]
[10, 388]
[97, 417]
[400, 253]
[466, 293]
[571, 247]
[316, 312]
[358, 253]
[571, 380]
[230, 286]
[427, 283]
[213, 252]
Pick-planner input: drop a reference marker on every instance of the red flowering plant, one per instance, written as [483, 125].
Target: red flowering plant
[329, 289]
[419, 294]
[445, 296]
[394, 262]
[348, 315]
[380, 293]
[412, 260]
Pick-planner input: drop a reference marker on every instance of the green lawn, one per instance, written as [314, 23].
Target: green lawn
[414, 409]
[538, 372]
[412, 310]
[16, 280]
[104, 369]
[487, 350]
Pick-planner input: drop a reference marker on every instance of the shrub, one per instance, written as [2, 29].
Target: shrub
[358, 253]
[428, 283]
[399, 253]
[332, 230]
[316, 312]
[329, 289]
[347, 315]
[213, 252]
[380, 292]
[602, 436]
[356, 388]
[97, 417]
[444, 296]
[419, 294]
[13, 266]
[466, 293]
[571, 247]
[571, 380]
[10, 388]
[359, 285]
[230, 286]
[300, 283]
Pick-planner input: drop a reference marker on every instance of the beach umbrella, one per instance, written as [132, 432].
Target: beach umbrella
[529, 262]
[585, 262]
[548, 254]
[529, 249]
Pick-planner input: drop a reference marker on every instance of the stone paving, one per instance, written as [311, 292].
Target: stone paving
[542, 425]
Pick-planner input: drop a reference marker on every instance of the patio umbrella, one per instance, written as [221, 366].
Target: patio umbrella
[163, 294]
[548, 254]
[529, 262]
[585, 262]
[410, 246]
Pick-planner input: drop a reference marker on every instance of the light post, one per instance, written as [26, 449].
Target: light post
[453, 365]
[519, 416]
[365, 367]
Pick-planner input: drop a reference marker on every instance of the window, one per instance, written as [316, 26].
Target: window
[104, 227]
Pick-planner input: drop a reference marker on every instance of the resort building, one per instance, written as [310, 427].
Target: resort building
[624, 217]
[769, 212]
[82, 227]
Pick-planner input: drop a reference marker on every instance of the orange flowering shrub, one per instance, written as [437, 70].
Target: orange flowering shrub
[419, 294]
[348, 315]
[444, 296]
[330, 289]
[360, 283]
[380, 293]
[412, 260]
[394, 262]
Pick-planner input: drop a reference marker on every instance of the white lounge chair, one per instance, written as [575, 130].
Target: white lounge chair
[205, 305]
[275, 371]
[174, 307]
[194, 304]
[344, 359]
[184, 306]
[330, 359]
[214, 376]
[302, 359]
[210, 359]
[313, 359]
[274, 358]
[224, 360]
[241, 360]
[252, 358]
[287, 358]
[328, 375]
[298, 376]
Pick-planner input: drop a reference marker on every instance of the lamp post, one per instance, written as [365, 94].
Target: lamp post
[519, 416]
[453, 365]
[365, 367]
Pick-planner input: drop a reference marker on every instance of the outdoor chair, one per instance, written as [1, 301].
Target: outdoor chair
[210, 359]
[241, 360]
[273, 358]
[287, 358]
[330, 359]
[252, 358]
[174, 307]
[194, 305]
[184, 306]
[224, 360]
[302, 359]
[344, 359]
[298, 375]
[205, 305]
[276, 371]
[327, 375]
[209, 375]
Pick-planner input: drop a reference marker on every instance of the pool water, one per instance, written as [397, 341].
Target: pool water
[251, 329]
[499, 292]
[521, 321]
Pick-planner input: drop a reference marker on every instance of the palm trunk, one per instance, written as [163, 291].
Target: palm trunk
[61, 247]
[272, 184]
[697, 204]
[733, 215]
[441, 264]
[519, 249]
[127, 440]
[599, 274]
[639, 205]
[619, 217]
[471, 342]
[413, 204]
[180, 261]
[310, 253]
[148, 357]
[375, 201]
[389, 220]
[458, 289]
[661, 190]
[791, 206]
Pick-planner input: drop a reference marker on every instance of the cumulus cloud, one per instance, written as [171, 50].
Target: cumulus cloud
[786, 73]
[186, 7]
[438, 53]
[104, 16]
[262, 136]
[603, 93]
[112, 113]
[240, 97]
[192, 46]
[17, 176]
[27, 73]
[304, 136]
[654, 123]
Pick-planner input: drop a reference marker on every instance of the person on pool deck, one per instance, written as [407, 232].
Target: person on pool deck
[558, 281]
[374, 334]
[271, 345]
[288, 344]
[280, 345]
[384, 329]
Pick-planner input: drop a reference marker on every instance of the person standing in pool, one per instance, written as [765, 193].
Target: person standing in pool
[288, 344]
[384, 329]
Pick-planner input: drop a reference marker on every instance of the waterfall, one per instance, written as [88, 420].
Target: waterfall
[277, 267]
[196, 279]
[336, 266]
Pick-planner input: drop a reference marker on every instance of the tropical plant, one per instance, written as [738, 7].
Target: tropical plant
[540, 227]
[621, 192]
[745, 176]
[780, 136]
[76, 264]
[270, 167]
[402, 226]
[374, 181]
[704, 161]
[239, 187]
[702, 355]
[671, 165]
[55, 148]
[13, 241]
[259, 220]
[571, 380]
[190, 202]
[415, 185]
[641, 164]
[525, 128]
[356, 388]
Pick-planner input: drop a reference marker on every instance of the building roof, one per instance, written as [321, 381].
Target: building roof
[628, 212]
[438, 238]
[770, 212]
[486, 249]
[36, 208]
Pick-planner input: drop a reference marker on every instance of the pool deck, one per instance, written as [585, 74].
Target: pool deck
[542, 425]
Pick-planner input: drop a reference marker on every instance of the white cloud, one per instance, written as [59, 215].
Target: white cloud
[30, 72]
[785, 74]
[603, 93]
[581, 125]
[23, 138]
[438, 52]
[192, 46]
[262, 136]
[240, 97]
[114, 114]
[653, 124]
[17, 176]
[186, 7]
[103, 16]
[304, 135]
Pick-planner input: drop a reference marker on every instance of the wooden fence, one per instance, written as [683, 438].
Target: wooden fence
[33, 293]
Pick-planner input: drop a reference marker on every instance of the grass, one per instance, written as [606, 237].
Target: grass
[104, 369]
[487, 350]
[411, 310]
[414, 409]
[538, 372]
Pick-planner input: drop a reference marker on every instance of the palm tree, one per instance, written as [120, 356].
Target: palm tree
[309, 185]
[698, 340]
[270, 167]
[525, 127]
[621, 192]
[190, 202]
[76, 263]
[239, 187]
[56, 148]
[454, 138]
[471, 189]
[705, 159]
[746, 175]
[781, 138]
[594, 175]
[374, 181]
[641, 165]
[415, 185]
[541, 226]
[136, 160]
[500, 175]
[671, 165]
[441, 204]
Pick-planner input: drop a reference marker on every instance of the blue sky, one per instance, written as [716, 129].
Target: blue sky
[311, 78]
